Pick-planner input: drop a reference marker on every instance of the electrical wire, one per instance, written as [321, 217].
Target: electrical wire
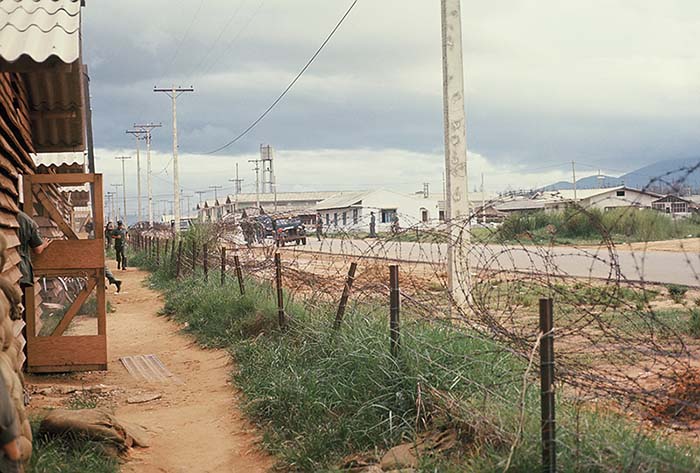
[289, 87]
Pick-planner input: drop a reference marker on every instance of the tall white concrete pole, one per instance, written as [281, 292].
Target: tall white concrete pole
[174, 93]
[457, 207]
[145, 129]
[573, 172]
[123, 159]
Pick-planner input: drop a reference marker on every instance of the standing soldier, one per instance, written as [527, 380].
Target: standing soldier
[372, 226]
[120, 235]
[109, 228]
[395, 225]
[319, 227]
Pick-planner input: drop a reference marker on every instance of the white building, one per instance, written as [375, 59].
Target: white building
[601, 199]
[215, 210]
[352, 211]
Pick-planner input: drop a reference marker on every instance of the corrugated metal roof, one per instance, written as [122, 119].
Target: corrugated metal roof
[283, 196]
[341, 201]
[40, 29]
[59, 159]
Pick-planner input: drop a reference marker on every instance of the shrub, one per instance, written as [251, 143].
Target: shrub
[694, 323]
[677, 292]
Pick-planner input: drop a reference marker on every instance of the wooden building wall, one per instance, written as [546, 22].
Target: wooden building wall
[15, 160]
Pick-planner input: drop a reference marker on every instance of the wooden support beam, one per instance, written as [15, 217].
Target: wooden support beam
[74, 308]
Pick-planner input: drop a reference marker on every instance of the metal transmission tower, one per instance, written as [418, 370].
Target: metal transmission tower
[123, 159]
[456, 183]
[174, 92]
[146, 128]
[268, 170]
[138, 135]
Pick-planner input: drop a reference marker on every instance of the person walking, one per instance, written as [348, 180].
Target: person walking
[395, 225]
[372, 226]
[109, 228]
[120, 236]
[319, 227]
[112, 280]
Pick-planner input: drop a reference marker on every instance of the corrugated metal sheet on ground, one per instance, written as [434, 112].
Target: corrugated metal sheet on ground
[148, 368]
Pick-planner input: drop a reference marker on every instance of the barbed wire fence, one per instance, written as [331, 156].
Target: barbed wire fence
[622, 344]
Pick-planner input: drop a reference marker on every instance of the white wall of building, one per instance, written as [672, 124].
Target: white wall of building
[410, 210]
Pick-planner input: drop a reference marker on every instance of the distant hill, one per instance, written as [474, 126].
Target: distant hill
[665, 175]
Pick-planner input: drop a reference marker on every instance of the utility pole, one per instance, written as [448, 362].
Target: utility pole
[174, 93]
[200, 194]
[116, 191]
[236, 189]
[149, 173]
[456, 180]
[216, 194]
[257, 181]
[189, 207]
[483, 201]
[600, 180]
[110, 205]
[573, 172]
[138, 135]
[123, 159]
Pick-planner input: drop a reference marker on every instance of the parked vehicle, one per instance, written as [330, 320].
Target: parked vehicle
[267, 225]
[289, 230]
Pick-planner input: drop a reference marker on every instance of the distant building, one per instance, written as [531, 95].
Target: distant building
[352, 211]
[300, 202]
[674, 205]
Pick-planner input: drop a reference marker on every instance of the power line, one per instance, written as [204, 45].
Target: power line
[187, 33]
[289, 87]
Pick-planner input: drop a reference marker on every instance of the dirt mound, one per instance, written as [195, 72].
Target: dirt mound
[683, 402]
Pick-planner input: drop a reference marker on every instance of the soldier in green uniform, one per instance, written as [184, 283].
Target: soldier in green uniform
[120, 235]
[30, 241]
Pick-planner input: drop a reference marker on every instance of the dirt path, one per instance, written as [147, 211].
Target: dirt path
[196, 426]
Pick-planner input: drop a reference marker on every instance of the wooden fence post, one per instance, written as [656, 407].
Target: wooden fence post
[223, 265]
[172, 253]
[178, 267]
[280, 295]
[205, 261]
[346, 294]
[549, 453]
[157, 251]
[239, 273]
[395, 308]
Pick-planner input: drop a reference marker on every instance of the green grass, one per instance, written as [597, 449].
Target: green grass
[319, 395]
[65, 456]
[575, 225]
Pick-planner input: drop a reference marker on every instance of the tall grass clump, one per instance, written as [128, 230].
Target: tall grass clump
[67, 456]
[627, 224]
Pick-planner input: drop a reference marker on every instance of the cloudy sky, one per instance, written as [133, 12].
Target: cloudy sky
[611, 84]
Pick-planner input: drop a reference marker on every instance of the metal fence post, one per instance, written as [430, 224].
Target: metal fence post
[223, 265]
[395, 308]
[280, 296]
[346, 294]
[549, 455]
[205, 261]
[178, 267]
[239, 273]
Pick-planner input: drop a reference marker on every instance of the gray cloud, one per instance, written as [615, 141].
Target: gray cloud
[547, 81]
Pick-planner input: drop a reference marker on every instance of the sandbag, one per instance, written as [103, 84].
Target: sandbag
[96, 425]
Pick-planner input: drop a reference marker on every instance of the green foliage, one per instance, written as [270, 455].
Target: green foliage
[623, 224]
[677, 292]
[321, 394]
[66, 456]
[694, 323]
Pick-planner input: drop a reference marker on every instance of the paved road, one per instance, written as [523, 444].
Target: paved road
[657, 267]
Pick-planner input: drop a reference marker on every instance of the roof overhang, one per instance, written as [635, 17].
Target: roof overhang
[40, 40]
